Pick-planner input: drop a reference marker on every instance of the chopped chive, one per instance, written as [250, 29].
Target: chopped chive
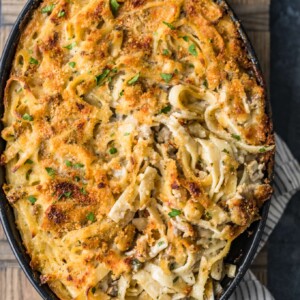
[27, 117]
[134, 79]
[101, 77]
[114, 6]
[19, 90]
[61, 14]
[262, 150]
[166, 77]
[235, 136]
[114, 70]
[166, 109]
[78, 166]
[70, 46]
[193, 50]
[174, 213]
[186, 38]
[50, 171]
[47, 9]
[166, 52]
[68, 163]
[172, 27]
[29, 161]
[32, 199]
[122, 93]
[91, 217]
[72, 64]
[33, 61]
[112, 150]
[160, 243]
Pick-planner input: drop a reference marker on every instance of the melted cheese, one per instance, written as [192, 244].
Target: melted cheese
[137, 146]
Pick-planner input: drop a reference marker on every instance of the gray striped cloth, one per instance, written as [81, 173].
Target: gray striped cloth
[286, 184]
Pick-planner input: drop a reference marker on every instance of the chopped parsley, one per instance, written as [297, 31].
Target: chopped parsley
[32, 199]
[166, 109]
[134, 79]
[166, 77]
[72, 64]
[61, 14]
[186, 38]
[235, 136]
[91, 217]
[29, 161]
[114, 6]
[77, 178]
[160, 243]
[27, 117]
[121, 93]
[70, 46]
[172, 27]
[166, 52]
[48, 9]
[262, 150]
[33, 61]
[83, 191]
[225, 151]
[27, 175]
[101, 77]
[174, 213]
[78, 165]
[193, 50]
[68, 163]
[50, 171]
[112, 150]
[67, 194]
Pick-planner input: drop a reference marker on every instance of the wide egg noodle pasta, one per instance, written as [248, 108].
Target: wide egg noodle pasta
[138, 147]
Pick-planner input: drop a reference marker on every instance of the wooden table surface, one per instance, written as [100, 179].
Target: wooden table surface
[255, 17]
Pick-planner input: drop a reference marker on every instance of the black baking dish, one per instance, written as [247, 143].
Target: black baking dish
[243, 248]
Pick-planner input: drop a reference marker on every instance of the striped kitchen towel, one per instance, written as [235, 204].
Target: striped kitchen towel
[286, 184]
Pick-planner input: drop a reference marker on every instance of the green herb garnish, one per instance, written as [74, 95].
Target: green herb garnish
[78, 166]
[114, 6]
[112, 150]
[166, 77]
[134, 79]
[61, 14]
[193, 50]
[32, 199]
[68, 163]
[33, 61]
[70, 46]
[48, 9]
[83, 191]
[225, 151]
[166, 109]
[91, 217]
[27, 175]
[77, 178]
[101, 77]
[262, 150]
[27, 117]
[126, 133]
[235, 136]
[29, 161]
[160, 243]
[174, 213]
[50, 171]
[169, 25]
[186, 38]
[121, 93]
[72, 64]
[166, 52]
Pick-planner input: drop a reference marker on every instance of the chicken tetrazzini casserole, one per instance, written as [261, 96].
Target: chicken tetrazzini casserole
[137, 149]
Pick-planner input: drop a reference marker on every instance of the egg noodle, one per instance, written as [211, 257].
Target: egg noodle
[138, 147]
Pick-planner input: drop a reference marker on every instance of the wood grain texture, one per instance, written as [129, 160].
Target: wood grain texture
[254, 15]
